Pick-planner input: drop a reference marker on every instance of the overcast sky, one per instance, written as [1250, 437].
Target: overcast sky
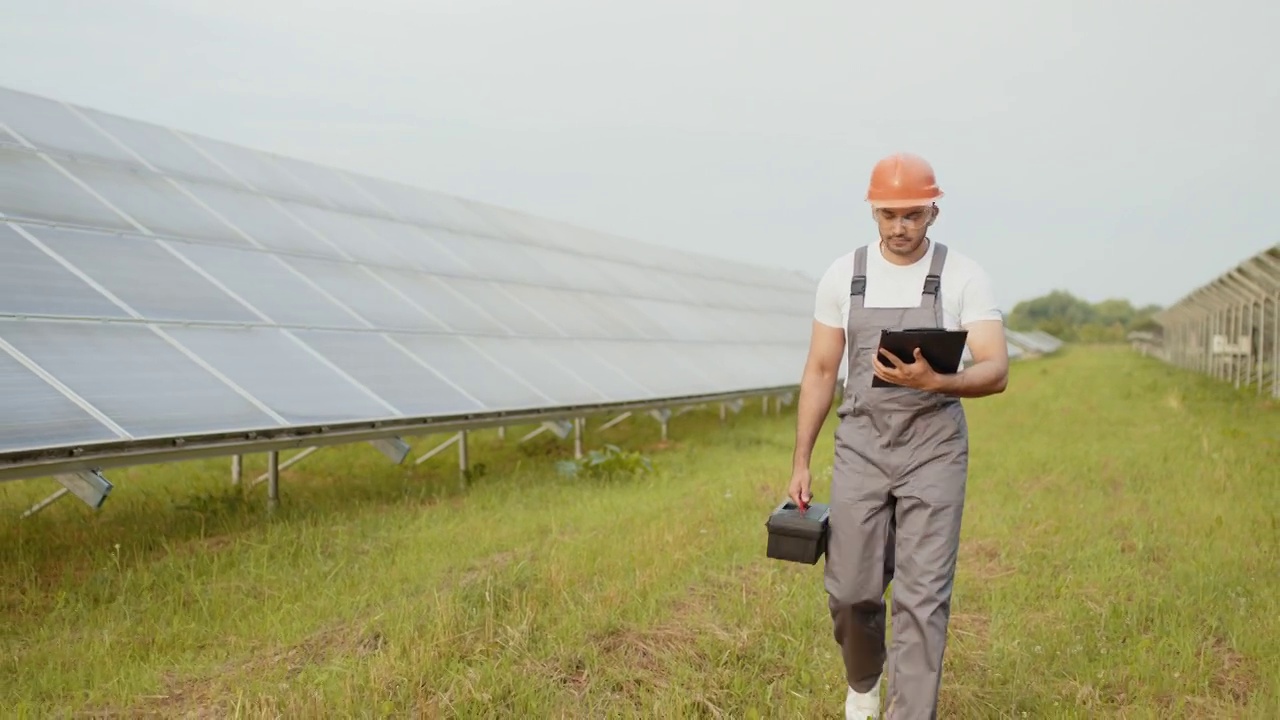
[1113, 149]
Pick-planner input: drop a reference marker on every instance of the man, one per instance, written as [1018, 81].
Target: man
[901, 459]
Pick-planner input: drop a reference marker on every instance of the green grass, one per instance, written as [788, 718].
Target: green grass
[1120, 559]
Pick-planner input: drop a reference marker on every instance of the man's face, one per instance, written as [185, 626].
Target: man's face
[902, 230]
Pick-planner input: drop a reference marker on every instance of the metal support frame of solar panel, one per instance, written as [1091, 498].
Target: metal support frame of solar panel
[1228, 328]
[173, 296]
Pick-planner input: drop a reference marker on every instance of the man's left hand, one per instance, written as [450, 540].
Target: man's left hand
[919, 375]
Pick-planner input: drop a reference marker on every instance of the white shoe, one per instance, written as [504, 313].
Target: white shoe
[863, 706]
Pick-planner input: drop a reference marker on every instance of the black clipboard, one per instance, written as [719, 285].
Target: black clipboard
[941, 348]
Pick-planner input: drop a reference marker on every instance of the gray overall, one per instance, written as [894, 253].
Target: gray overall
[897, 495]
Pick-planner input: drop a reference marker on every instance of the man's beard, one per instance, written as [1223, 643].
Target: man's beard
[903, 245]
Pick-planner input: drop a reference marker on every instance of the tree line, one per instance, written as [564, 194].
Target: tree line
[1073, 319]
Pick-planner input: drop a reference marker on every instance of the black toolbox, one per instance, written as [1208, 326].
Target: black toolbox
[797, 536]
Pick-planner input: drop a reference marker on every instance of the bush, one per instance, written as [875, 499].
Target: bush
[607, 462]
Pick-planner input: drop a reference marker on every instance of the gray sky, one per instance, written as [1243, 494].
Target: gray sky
[1110, 149]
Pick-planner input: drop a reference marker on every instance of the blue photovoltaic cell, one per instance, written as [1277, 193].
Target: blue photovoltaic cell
[366, 295]
[616, 384]
[502, 307]
[33, 283]
[484, 379]
[269, 285]
[153, 202]
[432, 295]
[160, 147]
[134, 377]
[553, 380]
[31, 187]
[35, 414]
[377, 363]
[145, 276]
[52, 126]
[282, 374]
[265, 221]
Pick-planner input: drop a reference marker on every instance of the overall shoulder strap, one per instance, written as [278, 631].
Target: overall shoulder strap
[858, 287]
[933, 281]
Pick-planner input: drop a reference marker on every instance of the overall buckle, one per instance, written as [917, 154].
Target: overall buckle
[931, 284]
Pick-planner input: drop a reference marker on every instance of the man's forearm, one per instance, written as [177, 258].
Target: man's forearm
[978, 380]
[816, 392]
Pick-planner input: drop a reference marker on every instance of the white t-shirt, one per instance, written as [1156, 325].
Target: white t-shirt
[967, 295]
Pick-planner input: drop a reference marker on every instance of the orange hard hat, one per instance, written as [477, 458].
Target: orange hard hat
[902, 180]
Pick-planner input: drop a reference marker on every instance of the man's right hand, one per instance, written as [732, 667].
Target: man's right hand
[799, 490]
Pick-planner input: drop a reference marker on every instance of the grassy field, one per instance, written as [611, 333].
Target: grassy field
[1121, 558]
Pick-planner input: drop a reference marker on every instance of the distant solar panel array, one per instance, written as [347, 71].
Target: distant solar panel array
[161, 291]
[1035, 341]
[1228, 328]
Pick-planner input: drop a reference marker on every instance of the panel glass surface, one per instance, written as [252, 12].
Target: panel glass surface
[35, 415]
[766, 327]
[364, 294]
[502, 307]
[631, 324]
[789, 300]
[738, 367]
[503, 221]
[676, 320]
[427, 254]
[460, 214]
[629, 281]
[49, 124]
[572, 237]
[144, 275]
[392, 373]
[32, 283]
[483, 379]
[555, 234]
[525, 358]
[329, 186]
[723, 294]
[160, 147]
[492, 259]
[350, 233]
[282, 374]
[134, 377]
[459, 315]
[642, 256]
[611, 380]
[661, 367]
[678, 287]
[735, 326]
[568, 270]
[259, 218]
[422, 207]
[253, 167]
[32, 188]
[575, 313]
[155, 202]
[786, 362]
[269, 286]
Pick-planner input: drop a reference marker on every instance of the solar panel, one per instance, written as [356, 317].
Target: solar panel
[1037, 341]
[1047, 341]
[162, 292]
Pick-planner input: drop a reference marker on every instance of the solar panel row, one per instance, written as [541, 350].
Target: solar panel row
[1035, 341]
[155, 284]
